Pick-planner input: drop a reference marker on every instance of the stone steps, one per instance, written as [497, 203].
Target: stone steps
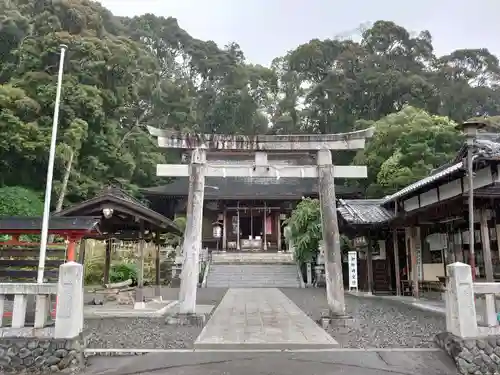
[253, 276]
[252, 258]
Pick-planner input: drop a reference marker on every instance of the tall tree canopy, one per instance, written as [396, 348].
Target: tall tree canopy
[122, 74]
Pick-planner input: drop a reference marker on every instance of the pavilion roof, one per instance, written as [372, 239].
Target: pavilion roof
[29, 224]
[126, 210]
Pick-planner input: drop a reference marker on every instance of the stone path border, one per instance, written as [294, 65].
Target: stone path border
[261, 318]
[126, 312]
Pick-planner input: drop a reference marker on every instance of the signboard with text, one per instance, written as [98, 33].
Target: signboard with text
[352, 259]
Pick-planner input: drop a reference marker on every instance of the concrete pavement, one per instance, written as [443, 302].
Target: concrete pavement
[336, 362]
[253, 318]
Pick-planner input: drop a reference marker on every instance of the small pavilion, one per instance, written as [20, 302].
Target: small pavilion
[123, 217]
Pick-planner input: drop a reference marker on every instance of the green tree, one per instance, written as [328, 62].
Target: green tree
[305, 229]
[19, 201]
[406, 147]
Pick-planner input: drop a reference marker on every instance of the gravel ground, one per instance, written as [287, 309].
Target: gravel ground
[138, 333]
[378, 323]
[148, 333]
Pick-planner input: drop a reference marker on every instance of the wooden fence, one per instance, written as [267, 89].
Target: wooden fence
[19, 263]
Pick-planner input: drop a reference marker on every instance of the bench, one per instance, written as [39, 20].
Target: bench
[121, 292]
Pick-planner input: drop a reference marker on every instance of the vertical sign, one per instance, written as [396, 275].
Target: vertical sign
[352, 259]
[418, 253]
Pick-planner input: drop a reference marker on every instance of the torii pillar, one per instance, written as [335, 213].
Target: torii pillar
[261, 146]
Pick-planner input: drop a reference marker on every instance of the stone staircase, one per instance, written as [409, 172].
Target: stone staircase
[253, 270]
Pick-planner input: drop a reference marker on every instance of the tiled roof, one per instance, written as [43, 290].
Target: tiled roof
[245, 188]
[121, 194]
[363, 211]
[421, 183]
[486, 146]
[492, 191]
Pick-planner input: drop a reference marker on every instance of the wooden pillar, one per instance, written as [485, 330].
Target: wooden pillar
[414, 265]
[224, 230]
[408, 252]
[486, 245]
[81, 254]
[460, 247]
[395, 245]
[157, 266]
[139, 292]
[107, 260]
[278, 230]
[497, 227]
[238, 228]
[251, 229]
[81, 251]
[264, 235]
[369, 264]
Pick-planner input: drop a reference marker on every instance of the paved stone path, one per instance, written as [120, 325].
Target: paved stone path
[261, 318]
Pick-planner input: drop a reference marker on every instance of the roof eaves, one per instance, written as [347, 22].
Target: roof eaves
[423, 182]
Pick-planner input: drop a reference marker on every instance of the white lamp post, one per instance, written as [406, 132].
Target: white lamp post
[50, 170]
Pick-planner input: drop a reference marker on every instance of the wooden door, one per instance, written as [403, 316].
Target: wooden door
[381, 276]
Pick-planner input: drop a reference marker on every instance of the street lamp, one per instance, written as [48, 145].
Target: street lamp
[470, 129]
[50, 170]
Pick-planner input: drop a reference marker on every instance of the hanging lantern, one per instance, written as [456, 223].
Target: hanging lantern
[217, 230]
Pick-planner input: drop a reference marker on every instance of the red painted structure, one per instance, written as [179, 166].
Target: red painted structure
[71, 229]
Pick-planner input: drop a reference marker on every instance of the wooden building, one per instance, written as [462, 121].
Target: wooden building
[251, 212]
[425, 225]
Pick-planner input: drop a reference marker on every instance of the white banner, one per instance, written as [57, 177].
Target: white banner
[353, 269]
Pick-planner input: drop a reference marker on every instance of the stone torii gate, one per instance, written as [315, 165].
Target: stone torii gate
[261, 146]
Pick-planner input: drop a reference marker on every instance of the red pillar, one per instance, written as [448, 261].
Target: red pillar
[71, 251]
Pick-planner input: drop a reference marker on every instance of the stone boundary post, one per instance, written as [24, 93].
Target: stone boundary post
[461, 317]
[69, 310]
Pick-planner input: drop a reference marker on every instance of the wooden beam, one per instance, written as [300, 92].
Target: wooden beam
[248, 170]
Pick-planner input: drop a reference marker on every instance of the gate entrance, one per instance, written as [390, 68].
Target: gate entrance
[262, 156]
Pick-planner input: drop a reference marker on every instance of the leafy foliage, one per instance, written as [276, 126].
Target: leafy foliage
[123, 74]
[19, 201]
[406, 147]
[305, 229]
[122, 272]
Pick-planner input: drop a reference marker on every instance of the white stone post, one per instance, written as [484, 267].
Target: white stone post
[69, 309]
[461, 317]
[193, 234]
[309, 273]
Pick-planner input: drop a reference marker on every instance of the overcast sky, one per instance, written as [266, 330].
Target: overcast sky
[269, 28]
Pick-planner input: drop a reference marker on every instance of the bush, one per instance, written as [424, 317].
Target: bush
[122, 272]
[94, 270]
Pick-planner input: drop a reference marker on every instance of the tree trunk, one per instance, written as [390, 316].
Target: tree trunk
[64, 186]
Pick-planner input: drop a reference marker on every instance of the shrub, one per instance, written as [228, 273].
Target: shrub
[94, 270]
[123, 271]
